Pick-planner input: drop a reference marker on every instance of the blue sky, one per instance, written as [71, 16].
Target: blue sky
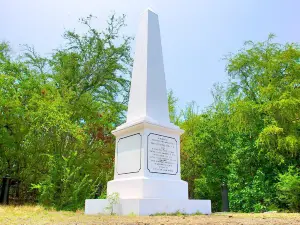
[196, 34]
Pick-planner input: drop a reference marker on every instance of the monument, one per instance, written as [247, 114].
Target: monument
[147, 157]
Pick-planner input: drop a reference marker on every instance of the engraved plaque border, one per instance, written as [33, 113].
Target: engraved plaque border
[140, 153]
[148, 154]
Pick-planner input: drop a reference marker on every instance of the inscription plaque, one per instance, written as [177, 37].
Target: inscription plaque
[129, 154]
[162, 154]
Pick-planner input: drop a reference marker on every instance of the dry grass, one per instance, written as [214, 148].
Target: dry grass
[37, 215]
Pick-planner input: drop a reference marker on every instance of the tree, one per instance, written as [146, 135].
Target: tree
[250, 134]
[265, 105]
[58, 113]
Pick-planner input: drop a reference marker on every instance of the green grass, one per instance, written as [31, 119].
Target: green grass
[177, 213]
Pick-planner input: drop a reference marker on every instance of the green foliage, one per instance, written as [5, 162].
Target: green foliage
[175, 115]
[265, 116]
[65, 186]
[205, 146]
[288, 188]
[57, 114]
[250, 134]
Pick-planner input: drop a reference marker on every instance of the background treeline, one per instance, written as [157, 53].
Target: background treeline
[57, 114]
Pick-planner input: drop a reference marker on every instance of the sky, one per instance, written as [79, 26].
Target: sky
[196, 34]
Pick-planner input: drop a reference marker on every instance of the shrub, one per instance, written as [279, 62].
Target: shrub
[65, 187]
[288, 188]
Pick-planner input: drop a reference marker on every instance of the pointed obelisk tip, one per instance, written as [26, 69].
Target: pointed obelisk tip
[149, 10]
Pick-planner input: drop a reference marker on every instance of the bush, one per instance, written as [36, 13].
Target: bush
[288, 188]
[254, 195]
[65, 187]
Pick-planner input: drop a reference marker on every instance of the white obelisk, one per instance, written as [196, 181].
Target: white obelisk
[147, 159]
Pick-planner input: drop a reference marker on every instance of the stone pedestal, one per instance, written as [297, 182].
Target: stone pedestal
[144, 207]
[147, 157]
[147, 162]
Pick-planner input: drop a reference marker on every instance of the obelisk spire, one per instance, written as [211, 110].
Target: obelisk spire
[148, 96]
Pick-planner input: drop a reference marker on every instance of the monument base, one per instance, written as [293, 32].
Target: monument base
[143, 207]
[145, 188]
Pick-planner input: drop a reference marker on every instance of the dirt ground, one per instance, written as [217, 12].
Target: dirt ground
[37, 215]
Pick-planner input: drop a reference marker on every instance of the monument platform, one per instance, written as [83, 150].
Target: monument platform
[143, 207]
